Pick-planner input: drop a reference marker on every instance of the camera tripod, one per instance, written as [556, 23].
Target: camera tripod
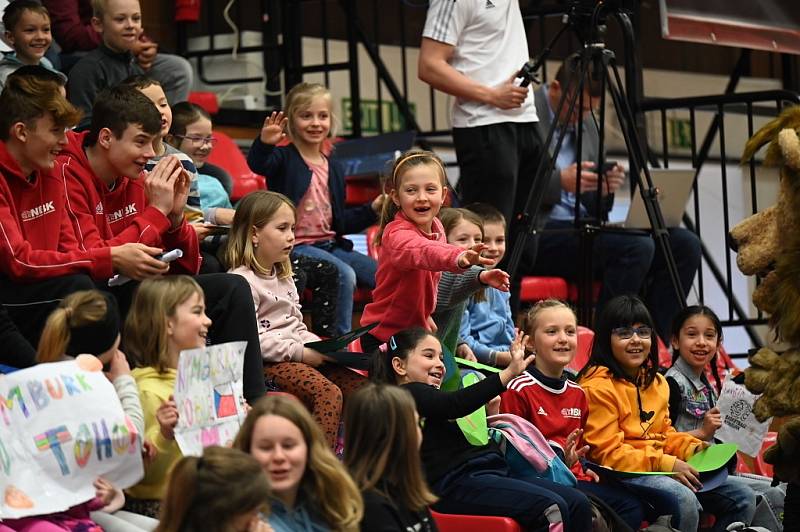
[597, 61]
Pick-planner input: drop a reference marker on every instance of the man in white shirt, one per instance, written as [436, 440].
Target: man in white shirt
[472, 49]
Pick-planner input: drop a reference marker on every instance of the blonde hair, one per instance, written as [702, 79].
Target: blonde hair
[208, 492]
[381, 446]
[538, 308]
[146, 326]
[325, 483]
[300, 97]
[253, 212]
[402, 164]
[78, 309]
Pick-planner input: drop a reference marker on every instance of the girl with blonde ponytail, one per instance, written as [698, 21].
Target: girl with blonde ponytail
[87, 323]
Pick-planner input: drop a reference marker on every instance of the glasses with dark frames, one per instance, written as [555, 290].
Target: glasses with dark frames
[625, 333]
[197, 141]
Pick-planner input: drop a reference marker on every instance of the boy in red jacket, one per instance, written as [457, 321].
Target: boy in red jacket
[109, 203]
[40, 260]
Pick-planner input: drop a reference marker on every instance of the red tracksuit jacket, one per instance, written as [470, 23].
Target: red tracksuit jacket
[36, 237]
[110, 218]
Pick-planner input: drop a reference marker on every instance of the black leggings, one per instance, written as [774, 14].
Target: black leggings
[29, 305]
[229, 304]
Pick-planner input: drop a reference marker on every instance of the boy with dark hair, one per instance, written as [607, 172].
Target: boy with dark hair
[40, 260]
[109, 203]
[27, 30]
[200, 217]
[119, 22]
[152, 90]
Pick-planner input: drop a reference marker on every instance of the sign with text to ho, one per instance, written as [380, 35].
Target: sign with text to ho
[208, 393]
[61, 427]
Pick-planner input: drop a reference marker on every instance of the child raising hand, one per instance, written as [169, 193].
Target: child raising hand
[304, 172]
[414, 250]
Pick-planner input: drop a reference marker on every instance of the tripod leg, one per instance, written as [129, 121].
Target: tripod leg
[639, 168]
[586, 285]
[528, 217]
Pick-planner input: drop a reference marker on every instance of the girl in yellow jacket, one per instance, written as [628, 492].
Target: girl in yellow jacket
[629, 428]
[167, 316]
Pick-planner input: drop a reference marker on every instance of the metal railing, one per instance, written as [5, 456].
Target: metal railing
[282, 28]
[363, 25]
[750, 105]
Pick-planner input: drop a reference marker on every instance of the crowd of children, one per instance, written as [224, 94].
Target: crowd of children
[81, 212]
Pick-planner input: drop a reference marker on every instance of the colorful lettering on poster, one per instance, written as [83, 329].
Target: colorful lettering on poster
[89, 437]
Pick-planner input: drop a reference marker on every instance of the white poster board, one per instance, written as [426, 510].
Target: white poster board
[739, 424]
[61, 427]
[208, 394]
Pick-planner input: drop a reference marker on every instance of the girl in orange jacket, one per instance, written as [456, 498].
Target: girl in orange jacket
[629, 428]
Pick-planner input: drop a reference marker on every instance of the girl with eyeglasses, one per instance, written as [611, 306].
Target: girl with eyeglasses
[629, 427]
[192, 133]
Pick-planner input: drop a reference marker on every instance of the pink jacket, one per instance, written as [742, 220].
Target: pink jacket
[281, 330]
[408, 274]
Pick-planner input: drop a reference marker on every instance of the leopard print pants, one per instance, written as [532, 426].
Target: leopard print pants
[323, 390]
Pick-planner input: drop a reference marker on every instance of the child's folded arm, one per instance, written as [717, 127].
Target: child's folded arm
[606, 438]
[681, 444]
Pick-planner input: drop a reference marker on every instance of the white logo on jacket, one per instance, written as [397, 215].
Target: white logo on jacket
[37, 212]
[119, 214]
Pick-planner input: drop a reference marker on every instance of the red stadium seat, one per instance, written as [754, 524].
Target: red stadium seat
[664, 354]
[361, 191]
[533, 288]
[206, 100]
[573, 291]
[474, 523]
[757, 465]
[226, 154]
[355, 346]
[585, 341]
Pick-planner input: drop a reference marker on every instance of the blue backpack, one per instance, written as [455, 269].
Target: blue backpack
[527, 452]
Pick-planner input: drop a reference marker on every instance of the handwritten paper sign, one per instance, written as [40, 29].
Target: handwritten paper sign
[62, 426]
[208, 393]
[739, 425]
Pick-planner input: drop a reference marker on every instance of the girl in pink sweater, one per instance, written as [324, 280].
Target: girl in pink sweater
[261, 238]
[414, 250]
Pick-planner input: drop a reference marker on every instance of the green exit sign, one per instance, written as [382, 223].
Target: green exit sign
[680, 132]
[388, 112]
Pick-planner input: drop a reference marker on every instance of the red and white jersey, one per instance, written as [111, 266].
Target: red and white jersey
[556, 412]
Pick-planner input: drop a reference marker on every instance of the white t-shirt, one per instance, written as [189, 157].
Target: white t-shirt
[490, 45]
